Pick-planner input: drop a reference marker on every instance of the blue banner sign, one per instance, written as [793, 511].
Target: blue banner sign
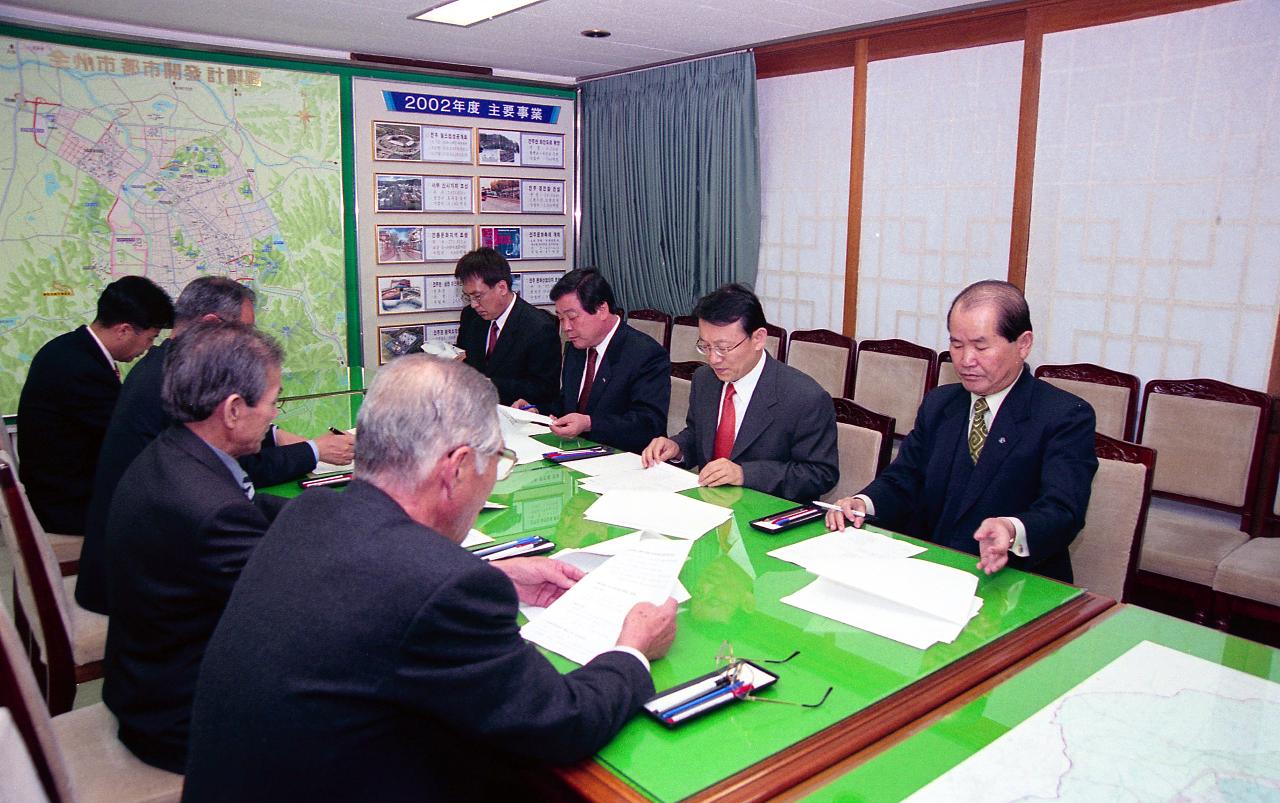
[470, 107]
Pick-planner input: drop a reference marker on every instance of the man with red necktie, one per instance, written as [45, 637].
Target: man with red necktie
[753, 421]
[616, 381]
[505, 337]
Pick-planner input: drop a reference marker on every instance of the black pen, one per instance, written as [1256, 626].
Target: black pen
[336, 431]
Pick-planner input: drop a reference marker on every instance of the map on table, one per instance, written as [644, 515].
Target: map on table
[1154, 724]
[116, 163]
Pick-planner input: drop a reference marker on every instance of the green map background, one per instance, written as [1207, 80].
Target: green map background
[169, 167]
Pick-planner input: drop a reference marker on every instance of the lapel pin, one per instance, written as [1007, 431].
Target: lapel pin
[1002, 440]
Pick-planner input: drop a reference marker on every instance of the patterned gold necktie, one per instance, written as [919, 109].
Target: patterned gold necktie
[978, 431]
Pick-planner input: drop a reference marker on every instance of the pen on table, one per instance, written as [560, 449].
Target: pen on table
[792, 517]
[515, 552]
[526, 407]
[858, 513]
[705, 701]
[489, 550]
[694, 691]
[336, 431]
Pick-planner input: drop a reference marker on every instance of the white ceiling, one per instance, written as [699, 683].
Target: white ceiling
[541, 41]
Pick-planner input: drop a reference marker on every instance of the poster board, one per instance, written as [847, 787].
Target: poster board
[418, 149]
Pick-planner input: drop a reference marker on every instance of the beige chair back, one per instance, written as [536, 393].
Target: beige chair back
[683, 338]
[1206, 446]
[771, 344]
[893, 385]
[827, 364]
[947, 373]
[6, 444]
[654, 329]
[20, 695]
[19, 780]
[1110, 403]
[1103, 553]
[859, 450]
[679, 409]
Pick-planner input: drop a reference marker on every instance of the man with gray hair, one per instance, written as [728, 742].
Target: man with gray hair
[140, 416]
[376, 659]
[182, 524]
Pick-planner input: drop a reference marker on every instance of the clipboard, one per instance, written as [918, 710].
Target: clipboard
[679, 704]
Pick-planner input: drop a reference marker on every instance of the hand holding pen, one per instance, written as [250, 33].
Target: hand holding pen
[850, 509]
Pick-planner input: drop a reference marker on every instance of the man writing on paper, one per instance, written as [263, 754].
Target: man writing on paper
[140, 417]
[752, 420]
[999, 465]
[365, 655]
[616, 382]
[182, 524]
[505, 337]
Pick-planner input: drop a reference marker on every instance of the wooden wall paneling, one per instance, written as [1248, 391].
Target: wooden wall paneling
[951, 35]
[1073, 14]
[857, 157]
[1025, 164]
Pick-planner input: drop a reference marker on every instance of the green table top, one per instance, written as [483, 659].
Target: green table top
[911, 764]
[736, 589]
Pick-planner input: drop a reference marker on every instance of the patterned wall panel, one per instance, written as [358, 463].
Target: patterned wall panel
[1155, 237]
[806, 124]
[938, 195]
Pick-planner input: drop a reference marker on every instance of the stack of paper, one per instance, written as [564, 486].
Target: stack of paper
[442, 348]
[623, 472]
[475, 538]
[912, 601]
[518, 416]
[587, 619]
[854, 543]
[666, 513]
[516, 438]
[592, 557]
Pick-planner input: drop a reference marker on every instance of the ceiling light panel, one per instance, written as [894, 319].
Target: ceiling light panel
[465, 13]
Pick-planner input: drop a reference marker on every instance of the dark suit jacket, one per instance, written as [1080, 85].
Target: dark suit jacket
[1037, 465]
[138, 419]
[526, 359]
[63, 411]
[630, 394]
[786, 444]
[365, 657]
[178, 535]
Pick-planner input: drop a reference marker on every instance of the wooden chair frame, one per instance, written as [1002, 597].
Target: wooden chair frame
[781, 334]
[657, 316]
[62, 674]
[1098, 375]
[849, 412]
[826, 337]
[1108, 448]
[685, 370]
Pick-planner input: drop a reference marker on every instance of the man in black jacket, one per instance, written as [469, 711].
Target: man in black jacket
[140, 417]
[506, 338]
[366, 656]
[70, 391]
[184, 520]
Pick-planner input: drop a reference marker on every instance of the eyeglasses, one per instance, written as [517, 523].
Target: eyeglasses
[474, 298]
[506, 462]
[733, 671]
[704, 348]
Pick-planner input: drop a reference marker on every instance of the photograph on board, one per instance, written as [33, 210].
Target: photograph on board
[399, 193]
[400, 244]
[397, 142]
[499, 147]
[499, 194]
[398, 295]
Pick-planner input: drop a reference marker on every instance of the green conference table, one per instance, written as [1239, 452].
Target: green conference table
[966, 726]
[754, 750]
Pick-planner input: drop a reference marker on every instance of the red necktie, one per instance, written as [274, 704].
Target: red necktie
[724, 432]
[493, 339]
[587, 379]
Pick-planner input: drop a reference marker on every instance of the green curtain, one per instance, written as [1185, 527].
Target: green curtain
[671, 181]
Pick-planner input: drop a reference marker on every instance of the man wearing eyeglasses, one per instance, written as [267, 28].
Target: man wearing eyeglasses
[752, 421]
[184, 519]
[367, 656]
[70, 390]
[505, 337]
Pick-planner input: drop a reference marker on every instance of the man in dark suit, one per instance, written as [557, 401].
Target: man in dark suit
[999, 465]
[506, 338]
[752, 421]
[70, 391]
[140, 417]
[616, 382]
[182, 525]
[366, 656]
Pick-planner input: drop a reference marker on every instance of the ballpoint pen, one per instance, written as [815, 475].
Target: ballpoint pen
[489, 550]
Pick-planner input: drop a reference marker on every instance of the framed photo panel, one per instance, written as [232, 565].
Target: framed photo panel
[542, 242]
[503, 239]
[540, 196]
[541, 150]
[535, 286]
[444, 143]
[497, 147]
[499, 194]
[446, 243]
[448, 194]
[398, 244]
[398, 193]
[400, 295]
[397, 142]
[397, 341]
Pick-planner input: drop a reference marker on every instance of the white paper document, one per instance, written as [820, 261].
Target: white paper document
[527, 449]
[852, 543]
[663, 478]
[475, 538]
[666, 513]
[518, 416]
[587, 619]
[590, 558]
[912, 601]
[609, 464]
[333, 468]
